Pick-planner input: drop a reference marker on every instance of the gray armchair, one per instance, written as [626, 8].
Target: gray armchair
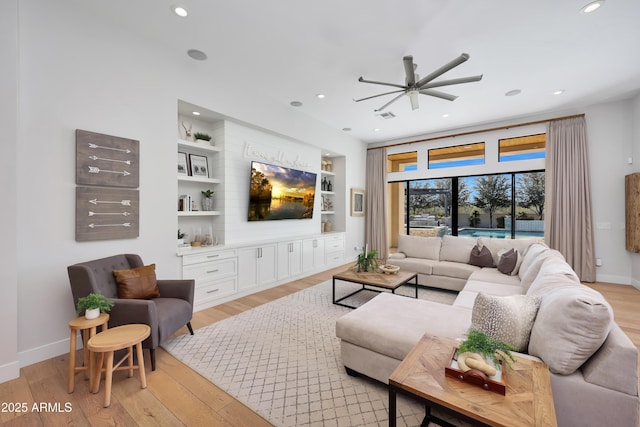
[164, 315]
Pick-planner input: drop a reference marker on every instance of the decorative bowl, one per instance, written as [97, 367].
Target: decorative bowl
[389, 269]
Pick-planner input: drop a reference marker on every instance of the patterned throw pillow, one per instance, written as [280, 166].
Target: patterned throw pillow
[509, 261]
[481, 256]
[508, 319]
[137, 283]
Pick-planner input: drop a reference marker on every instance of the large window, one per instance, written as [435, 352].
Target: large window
[522, 148]
[402, 162]
[507, 205]
[459, 155]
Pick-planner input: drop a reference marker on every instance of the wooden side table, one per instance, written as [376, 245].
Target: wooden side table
[528, 400]
[106, 342]
[88, 327]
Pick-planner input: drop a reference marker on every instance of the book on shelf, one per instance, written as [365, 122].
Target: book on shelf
[184, 203]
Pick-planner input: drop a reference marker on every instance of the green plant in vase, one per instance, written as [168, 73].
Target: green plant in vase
[367, 260]
[202, 136]
[93, 301]
[487, 347]
[207, 200]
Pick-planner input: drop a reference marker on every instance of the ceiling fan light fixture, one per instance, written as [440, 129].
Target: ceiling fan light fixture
[592, 7]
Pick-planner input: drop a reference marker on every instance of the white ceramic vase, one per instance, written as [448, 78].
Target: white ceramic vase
[92, 314]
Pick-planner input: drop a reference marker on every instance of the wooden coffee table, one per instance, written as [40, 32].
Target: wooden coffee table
[528, 400]
[373, 279]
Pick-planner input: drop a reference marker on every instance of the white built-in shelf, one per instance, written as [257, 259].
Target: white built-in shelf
[200, 146]
[186, 178]
[327, 192]
[327, 173]
[328, 212]
[198, 213]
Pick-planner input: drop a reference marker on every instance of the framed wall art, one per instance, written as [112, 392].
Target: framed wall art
[357, 202]
[106, 213]
[199, 166]
[106, 160]
[183, 166]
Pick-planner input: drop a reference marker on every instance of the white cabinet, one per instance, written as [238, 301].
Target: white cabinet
[257, 266]
[334, 248]
[289, 258]
[313, 255]
[215, 274]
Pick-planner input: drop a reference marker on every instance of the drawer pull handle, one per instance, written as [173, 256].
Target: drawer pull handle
[213, 256]
[212, 291]
[213, 271]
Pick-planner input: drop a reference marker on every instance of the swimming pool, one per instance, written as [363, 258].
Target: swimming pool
[497, 232]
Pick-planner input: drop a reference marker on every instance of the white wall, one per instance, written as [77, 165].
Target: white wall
[9, 367]
[635, 152]
[77, 70]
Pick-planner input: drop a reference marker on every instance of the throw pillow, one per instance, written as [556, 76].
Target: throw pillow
[508, 319]
[481, 256]
[509, 261]
[137, 283]
[572, 324]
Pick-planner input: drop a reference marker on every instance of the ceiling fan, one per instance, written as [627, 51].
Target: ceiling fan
[415, 85]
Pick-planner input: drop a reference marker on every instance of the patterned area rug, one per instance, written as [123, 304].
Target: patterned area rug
[282, 360]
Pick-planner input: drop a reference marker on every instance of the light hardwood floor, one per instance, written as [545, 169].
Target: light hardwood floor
[176, 395]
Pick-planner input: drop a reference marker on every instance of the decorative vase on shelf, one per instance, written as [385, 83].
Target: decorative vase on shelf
[207, 204]
[92, 313]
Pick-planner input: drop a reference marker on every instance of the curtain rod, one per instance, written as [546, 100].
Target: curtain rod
[478, 131]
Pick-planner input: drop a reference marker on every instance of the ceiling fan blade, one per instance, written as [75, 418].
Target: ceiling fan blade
[413, 96]
[438, 94]
[440, 71]
[390, 102]
[409, 70]
[452, 82]
[381, 94]
[362, 80]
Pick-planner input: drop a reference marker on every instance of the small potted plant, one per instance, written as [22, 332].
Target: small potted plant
[489, 348]
[92, 305]
[207, 200]
[202, 137]
[181, 237]
[367, 260]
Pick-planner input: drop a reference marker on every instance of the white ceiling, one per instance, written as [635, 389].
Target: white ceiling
[291, 50]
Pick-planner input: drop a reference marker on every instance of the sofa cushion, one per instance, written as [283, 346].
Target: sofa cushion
[456, 249]
[419, 247]
[495, 244]
[453, 269]
[391, 324]
[481, 256]
[509, 261]
[494, 276]
[530, 255]
[508, 319]
[572, 323]
[137, 283]
[490, 288]
[554, 273]
[418, 265]
[532, 272]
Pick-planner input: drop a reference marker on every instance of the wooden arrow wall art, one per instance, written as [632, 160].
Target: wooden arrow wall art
[106, 160]
[106, 213]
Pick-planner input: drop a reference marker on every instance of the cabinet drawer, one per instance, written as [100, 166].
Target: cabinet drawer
[211, 270]
[215, 289]
[208, 256]
[334, 245]
[335, 257]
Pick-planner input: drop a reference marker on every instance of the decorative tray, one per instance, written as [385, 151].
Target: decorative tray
[495, 383]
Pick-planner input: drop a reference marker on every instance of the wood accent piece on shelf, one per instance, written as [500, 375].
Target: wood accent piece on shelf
[632, 211]
[107, 160]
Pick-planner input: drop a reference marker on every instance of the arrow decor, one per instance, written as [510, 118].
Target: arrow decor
[97, 156]
[106, 213]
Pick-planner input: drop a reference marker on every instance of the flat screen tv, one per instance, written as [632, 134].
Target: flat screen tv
[277, 192]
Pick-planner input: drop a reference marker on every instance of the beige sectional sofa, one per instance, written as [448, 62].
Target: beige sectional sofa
[593, 364]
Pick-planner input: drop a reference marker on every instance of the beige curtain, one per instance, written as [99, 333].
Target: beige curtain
[568, 219]
[375, 224]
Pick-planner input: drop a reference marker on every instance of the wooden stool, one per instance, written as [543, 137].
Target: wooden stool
[88, 328]
[118, 338]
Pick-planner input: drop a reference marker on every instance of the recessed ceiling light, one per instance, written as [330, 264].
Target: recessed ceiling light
[346, 129]
[445, 115]
[592, 7]
[376, 130]
[180, 11]
[513, 92]
[296, 104]
[558, 92]
[320, 96]
[195, 113]
[196, 54]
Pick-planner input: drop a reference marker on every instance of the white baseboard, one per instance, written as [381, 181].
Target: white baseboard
[38, 354]
[609, 278]
[635, 283]
[9, 371]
